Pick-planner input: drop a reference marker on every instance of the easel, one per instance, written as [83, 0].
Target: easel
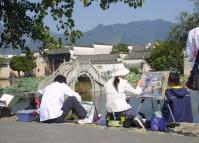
[149, 78]
[152, 98]
[158, 104]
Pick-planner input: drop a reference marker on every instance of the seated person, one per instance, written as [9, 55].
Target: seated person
[54, 107]
[116, 90]
[178, 99]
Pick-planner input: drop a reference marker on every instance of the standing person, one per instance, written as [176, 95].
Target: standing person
[192, 48]
[179, 100]
[57, 100]
[116, 90]
[192, 45]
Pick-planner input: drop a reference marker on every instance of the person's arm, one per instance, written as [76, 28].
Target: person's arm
[37, 98]
[130, 89]
[70, 92]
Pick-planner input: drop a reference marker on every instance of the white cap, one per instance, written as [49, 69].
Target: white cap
[120, 71]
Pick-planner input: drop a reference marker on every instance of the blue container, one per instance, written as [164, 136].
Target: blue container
[26, 115]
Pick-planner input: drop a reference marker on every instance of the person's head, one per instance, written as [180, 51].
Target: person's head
[174, 79]
[60, 79]
[120, 71]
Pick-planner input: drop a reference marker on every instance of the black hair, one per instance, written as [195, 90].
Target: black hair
[174, 79]
[60, 79]
[116, 82]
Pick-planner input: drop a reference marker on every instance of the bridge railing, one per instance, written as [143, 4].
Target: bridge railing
[71, 71]
[85, 67]
[60, 70]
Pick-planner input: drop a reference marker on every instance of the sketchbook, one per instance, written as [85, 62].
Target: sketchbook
[5, 99]
[155, 84]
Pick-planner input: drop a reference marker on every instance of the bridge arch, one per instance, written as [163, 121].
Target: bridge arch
[73, 70]
[87, 74]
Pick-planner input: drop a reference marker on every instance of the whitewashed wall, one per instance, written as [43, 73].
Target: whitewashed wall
[102, 49]
[83, 51]
[39, 71]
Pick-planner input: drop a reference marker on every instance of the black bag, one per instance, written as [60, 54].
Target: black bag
[193, 79]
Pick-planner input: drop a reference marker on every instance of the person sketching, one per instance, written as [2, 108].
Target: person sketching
[116, 90]
[57, 100]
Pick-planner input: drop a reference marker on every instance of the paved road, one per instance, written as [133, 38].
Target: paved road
[12, 131]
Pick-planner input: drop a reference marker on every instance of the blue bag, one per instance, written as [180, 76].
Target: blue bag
[158, 124]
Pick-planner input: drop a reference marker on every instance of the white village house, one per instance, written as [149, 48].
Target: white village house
[98, 54]
[105, 62]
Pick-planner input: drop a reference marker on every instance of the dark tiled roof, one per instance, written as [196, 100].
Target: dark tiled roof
[141, 48]
[58, 51]
[102, 58]
[96, 43]
[86, 46]
[137, 55]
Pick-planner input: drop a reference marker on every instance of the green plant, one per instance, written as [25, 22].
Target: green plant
[23, 85]
[134, 70]
[133, 78]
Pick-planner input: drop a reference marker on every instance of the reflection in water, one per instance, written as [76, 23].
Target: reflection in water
[4, 83]
[86, 96]
[21, 105]
[98, 98]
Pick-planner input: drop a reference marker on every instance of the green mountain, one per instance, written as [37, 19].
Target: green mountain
[133, 33]
[136, 33]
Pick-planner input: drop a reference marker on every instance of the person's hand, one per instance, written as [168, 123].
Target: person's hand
[128, 98]
[37, 102]
[140, 83]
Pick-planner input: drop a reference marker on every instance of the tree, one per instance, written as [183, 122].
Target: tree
[166, 56]
[29, 64]
[16, 64]
[120, 49]
[186, 22]
[23, 63]
[24, 18]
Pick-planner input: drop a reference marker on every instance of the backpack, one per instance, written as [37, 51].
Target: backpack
[158, 124]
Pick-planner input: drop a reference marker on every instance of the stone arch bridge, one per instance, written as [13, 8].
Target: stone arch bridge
[73, 70]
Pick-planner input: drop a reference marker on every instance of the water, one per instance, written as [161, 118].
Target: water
[4, 83]
[98, 98]
[148, 107]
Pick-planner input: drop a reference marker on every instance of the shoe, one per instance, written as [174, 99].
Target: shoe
[85, 121]
[138, 122]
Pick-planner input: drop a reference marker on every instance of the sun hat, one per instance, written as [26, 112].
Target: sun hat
[120, 71]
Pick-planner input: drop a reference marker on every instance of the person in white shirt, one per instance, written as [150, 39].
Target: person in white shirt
[57, 100]
[192, 45]
[192, 48]
[116, 90]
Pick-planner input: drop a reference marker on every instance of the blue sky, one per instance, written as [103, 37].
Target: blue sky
[88, 18]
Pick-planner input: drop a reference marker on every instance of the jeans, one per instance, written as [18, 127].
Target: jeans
[130, 113]
[70, 103]
[197, 79]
